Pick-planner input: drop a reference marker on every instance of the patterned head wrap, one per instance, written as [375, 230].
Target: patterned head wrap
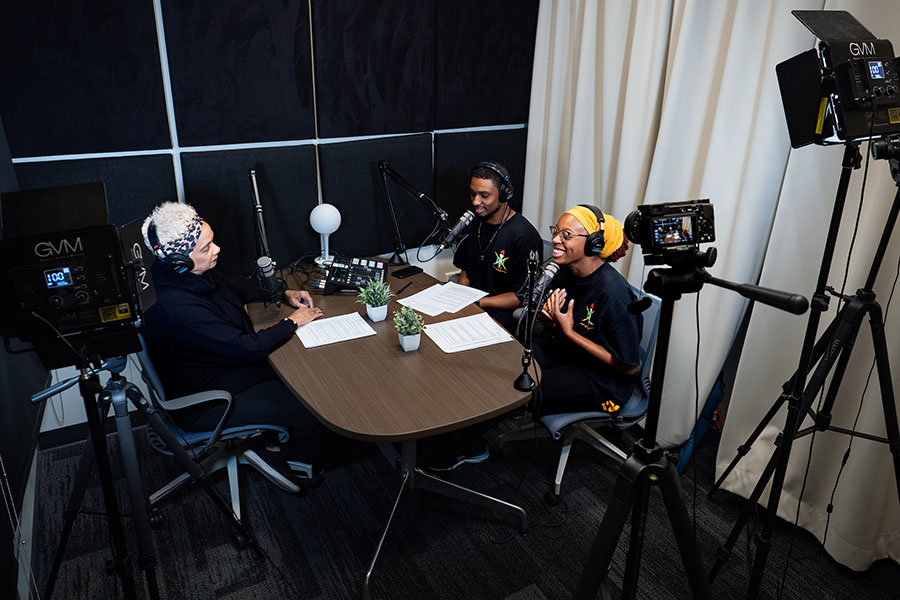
[177, 226]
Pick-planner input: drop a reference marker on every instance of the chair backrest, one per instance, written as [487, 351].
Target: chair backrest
[637, 405]
[149, 375]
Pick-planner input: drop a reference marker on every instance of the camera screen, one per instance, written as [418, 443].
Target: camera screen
[673, 231]
[876, 69]
[58, 277]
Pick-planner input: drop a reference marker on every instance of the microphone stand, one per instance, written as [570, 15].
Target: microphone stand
[263, 246]
[524, 382]
[439, 214]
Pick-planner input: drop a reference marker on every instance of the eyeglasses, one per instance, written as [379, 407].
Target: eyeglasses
[564, 233]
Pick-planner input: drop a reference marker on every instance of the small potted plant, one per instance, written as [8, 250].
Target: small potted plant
[409, 325]
[375, 295]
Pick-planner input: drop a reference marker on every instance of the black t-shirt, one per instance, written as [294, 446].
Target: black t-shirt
[497, 261]
[601, 315]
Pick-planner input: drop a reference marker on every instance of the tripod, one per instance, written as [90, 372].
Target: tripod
[647, 465]
[832, 350]
[115, 393]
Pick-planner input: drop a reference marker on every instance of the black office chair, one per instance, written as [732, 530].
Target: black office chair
[221, 448]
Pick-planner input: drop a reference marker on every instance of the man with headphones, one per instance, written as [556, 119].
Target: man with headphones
[494, 255]
[200, 338]
[590, 355]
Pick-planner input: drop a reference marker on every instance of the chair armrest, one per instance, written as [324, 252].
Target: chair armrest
[198, 398]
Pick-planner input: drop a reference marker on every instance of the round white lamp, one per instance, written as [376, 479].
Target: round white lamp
[325, 219]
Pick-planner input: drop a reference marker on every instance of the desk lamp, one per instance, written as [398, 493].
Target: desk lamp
[325, 219]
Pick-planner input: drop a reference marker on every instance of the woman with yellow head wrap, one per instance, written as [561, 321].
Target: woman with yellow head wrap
[590, 355]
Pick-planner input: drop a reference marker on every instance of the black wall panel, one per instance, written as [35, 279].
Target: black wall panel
[484, 55]
[8, 181]
[351, 181]
[218, 185]
[456, 153]
[134, 185]
[241, 70]
[79, 77]
[374, 66]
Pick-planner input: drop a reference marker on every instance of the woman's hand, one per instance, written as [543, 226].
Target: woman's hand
[298, 298]
[305, 314]
[553, 311]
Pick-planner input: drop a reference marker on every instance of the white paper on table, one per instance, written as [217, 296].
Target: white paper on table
[466, 333]
[449, 297]
[334, 329]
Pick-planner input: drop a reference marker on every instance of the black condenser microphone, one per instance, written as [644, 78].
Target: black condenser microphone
[455, 234]
[271, 287]
[539, 288]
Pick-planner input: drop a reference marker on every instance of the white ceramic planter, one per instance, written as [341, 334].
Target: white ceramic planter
[409, 342]
[376, 313]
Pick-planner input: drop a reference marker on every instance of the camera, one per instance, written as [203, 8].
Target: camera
[659, 228]
[885, 148]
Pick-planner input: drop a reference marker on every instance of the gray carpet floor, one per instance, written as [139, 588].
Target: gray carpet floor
[319, 546]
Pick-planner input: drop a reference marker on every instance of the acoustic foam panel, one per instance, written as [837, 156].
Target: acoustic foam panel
[456, 153]
[134, 185]
[8, 181]
[484, 56]
[351, 181]
[80, 77]
[374, 66]
[218, 185]
[241, 70]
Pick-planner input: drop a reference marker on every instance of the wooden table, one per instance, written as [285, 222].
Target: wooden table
[370, 389]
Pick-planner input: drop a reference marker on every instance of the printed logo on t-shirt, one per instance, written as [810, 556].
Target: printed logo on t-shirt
[500, 261]
[587, 322]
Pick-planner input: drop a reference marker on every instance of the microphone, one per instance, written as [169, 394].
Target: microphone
[271, 287]
[455, 235]
[539, 288]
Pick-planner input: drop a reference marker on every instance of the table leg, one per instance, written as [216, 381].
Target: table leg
[384, 535]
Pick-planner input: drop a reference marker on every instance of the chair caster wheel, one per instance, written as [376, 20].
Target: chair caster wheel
[157, 519]
[551, 498]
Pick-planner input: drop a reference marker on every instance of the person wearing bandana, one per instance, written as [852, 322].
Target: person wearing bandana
[200, 337]
[590, 354]
[493, 257]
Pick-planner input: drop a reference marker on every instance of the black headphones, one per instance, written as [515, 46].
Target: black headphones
[178, 263]
[506, 188]
[596, 241]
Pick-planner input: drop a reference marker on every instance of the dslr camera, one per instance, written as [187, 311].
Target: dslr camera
[663, 228]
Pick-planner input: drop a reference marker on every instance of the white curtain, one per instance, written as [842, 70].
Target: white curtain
[658, 101]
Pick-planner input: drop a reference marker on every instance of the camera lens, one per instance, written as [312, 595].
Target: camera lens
[632, 227]
[885, 148]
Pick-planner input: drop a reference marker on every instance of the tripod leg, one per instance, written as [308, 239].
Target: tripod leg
[749, 507]
[610, 531]
[887, 390]
[89, 385]
[684, 531]
[146, 552]
[636, 543]
[75, 500]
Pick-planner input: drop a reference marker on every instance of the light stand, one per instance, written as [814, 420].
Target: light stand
[831, 350]
[647, 465]
[325, 220]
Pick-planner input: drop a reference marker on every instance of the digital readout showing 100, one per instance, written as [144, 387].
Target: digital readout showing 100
[58, 277]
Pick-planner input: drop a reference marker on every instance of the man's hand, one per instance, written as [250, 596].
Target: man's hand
[298, 298]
